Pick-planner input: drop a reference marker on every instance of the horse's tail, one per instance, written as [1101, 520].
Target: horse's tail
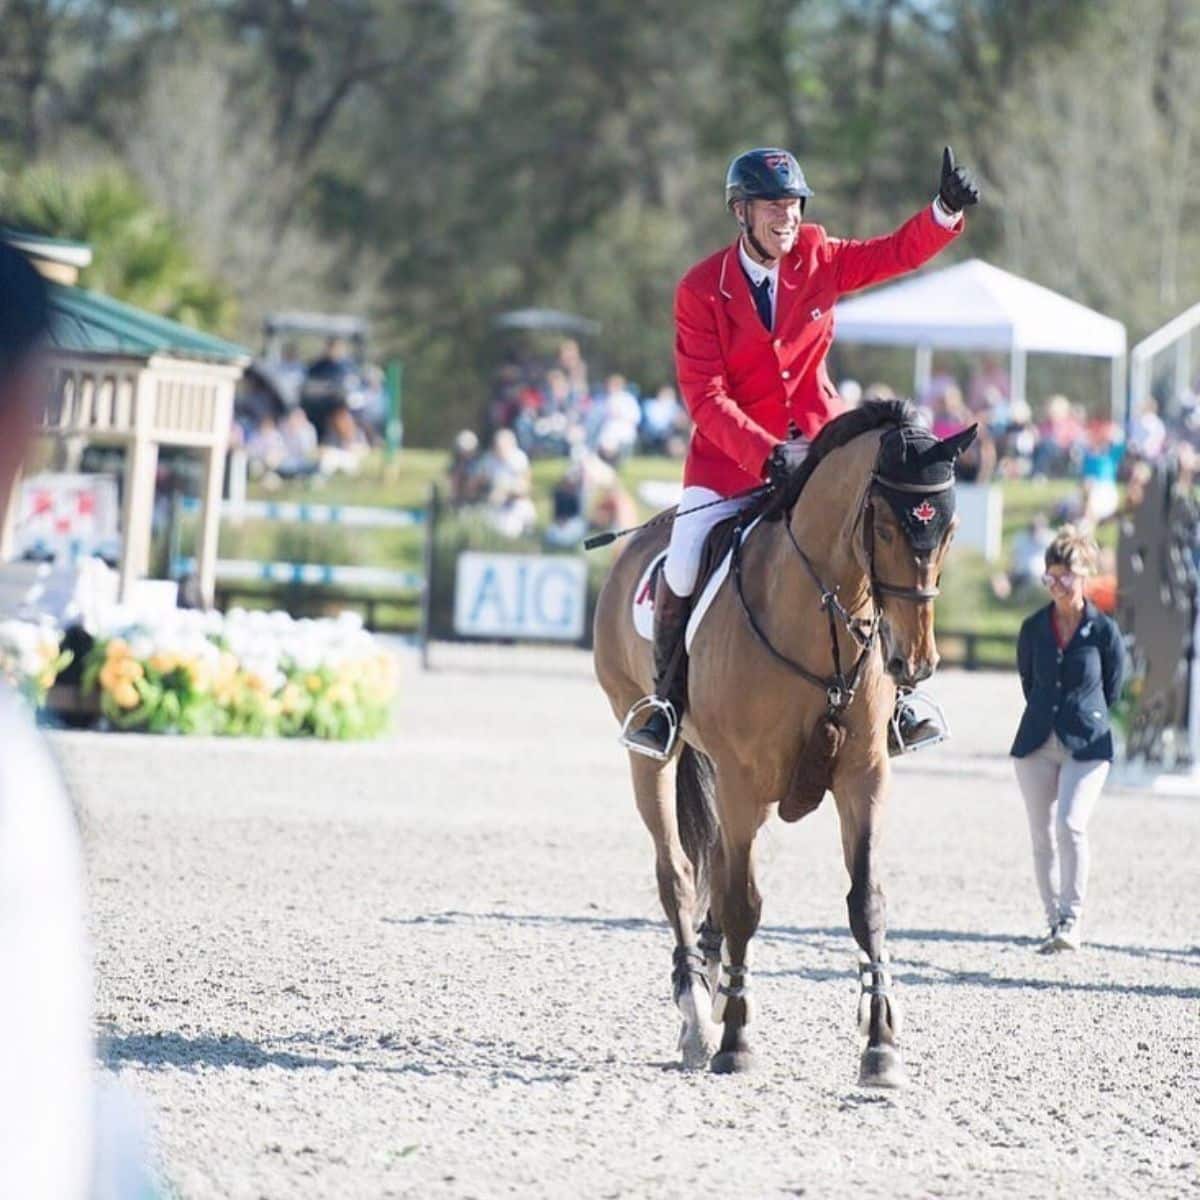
[696, 812]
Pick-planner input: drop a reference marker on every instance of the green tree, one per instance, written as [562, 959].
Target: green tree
[140, 255]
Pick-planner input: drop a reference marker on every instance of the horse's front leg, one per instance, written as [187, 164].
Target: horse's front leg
[737, 907]
[860, 803]
[654, 785]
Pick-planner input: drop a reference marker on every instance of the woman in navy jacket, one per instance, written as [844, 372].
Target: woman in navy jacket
[1072, 662]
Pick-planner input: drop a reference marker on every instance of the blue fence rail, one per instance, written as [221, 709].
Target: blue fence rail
[368, 587]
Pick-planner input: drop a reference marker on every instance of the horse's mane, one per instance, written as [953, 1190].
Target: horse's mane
[871, 414]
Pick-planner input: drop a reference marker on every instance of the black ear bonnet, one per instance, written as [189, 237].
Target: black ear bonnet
[915, 475]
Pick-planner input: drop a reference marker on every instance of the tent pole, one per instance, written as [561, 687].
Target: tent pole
[1120, 410]
[1183, 368]
[922, 372]
[1016, 375]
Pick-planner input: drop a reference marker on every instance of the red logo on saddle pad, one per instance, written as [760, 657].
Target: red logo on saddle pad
[924, 512]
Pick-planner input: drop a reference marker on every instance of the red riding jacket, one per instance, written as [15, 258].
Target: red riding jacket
[742, 382]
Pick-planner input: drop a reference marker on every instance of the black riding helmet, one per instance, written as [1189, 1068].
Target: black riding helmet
[766, 174]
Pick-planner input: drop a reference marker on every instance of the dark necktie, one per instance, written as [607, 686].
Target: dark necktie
[762, 299]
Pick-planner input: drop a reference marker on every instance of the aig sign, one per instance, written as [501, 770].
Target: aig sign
[520, 596]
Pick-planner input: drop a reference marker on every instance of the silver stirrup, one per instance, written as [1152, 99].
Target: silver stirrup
[650, 704]
[924, 708]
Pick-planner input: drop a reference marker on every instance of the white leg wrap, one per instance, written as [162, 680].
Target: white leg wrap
[734, 984]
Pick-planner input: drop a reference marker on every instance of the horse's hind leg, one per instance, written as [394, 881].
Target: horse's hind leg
[654, 785]
[860, 809]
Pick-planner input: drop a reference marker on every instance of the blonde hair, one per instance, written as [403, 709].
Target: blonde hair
[1074, 549]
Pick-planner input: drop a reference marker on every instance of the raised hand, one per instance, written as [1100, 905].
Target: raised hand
[958, 189]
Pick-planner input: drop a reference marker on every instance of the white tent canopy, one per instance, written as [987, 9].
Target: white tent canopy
[975, 306]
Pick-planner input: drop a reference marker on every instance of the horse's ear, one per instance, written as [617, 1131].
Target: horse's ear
[948, 449]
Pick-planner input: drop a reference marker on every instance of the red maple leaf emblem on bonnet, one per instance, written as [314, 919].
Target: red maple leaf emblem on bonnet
[924, 512]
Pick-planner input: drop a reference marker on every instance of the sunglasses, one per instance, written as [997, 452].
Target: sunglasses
[1061, 583]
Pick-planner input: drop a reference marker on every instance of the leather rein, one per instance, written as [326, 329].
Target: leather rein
[840, 687]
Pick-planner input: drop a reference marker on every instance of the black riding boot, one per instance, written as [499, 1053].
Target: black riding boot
[655, 738]
[908, 731]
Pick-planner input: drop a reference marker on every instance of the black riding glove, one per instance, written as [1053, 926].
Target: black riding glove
[959, 190]
[784, 461]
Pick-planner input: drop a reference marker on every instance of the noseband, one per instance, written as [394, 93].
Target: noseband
[839, 688]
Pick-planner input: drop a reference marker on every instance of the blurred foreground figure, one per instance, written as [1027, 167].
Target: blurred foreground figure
[46, 1114]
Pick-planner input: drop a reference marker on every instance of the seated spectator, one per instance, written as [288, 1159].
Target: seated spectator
[941, 380]
[287, 450]
[344, 445]
[504, 402]
[332, 382]
[374, 404]
[466, 476]
[619, 416]
[529, 426]
[1148, 434]
[290, 371]
[1059, 435]
[988, 381]
[545, 431]
[508, 484]
[572, 364]
[1099, 464]
[950, 413]
[567, 526]
[1080, 508]
[1027, 559]
[1016, 442]
[665, 424]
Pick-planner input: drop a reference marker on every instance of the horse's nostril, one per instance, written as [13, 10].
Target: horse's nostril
[897, 667]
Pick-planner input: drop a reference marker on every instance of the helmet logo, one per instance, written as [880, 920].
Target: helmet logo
[924, 512]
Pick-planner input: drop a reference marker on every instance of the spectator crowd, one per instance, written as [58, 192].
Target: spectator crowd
[542, 411]
[297, 420]
[294, 420]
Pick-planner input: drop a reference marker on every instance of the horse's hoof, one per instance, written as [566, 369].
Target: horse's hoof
[882, 1067]
[697, 1043]
[735, 1059]
[734, 1062]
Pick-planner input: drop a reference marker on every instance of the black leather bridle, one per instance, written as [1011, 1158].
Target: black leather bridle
[839, 688]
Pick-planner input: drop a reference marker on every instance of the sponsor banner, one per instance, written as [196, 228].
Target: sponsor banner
[520, 596]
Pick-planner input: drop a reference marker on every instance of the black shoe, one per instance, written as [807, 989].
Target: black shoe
[656, 738]
[653, 739]
[908, 732]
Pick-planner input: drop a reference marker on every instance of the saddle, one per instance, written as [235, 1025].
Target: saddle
[720, 539]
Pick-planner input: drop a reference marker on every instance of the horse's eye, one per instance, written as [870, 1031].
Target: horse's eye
[884, 534]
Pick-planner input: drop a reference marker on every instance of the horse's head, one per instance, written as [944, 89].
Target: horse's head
[908, 523]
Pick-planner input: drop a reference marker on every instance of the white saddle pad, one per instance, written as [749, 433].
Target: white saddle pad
[643, 595]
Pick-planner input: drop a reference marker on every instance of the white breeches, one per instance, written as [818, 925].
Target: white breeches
[688, 534]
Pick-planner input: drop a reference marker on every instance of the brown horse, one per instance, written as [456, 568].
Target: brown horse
[791, 688]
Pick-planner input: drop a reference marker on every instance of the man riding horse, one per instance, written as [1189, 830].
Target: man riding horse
[753, 324]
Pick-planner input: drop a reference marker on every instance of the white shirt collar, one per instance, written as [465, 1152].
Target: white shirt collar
[756, 271]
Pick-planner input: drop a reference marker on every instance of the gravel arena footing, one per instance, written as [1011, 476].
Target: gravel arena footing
[436, 966]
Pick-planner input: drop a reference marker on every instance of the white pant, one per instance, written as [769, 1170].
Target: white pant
[688, 534]
[1049, 777]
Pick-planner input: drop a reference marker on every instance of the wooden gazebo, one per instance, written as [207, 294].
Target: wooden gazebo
[124, 377]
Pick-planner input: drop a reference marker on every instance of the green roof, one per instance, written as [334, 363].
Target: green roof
[42, 239]
[89, 323]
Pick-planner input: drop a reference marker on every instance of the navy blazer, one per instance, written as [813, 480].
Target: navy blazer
[1069, 691]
